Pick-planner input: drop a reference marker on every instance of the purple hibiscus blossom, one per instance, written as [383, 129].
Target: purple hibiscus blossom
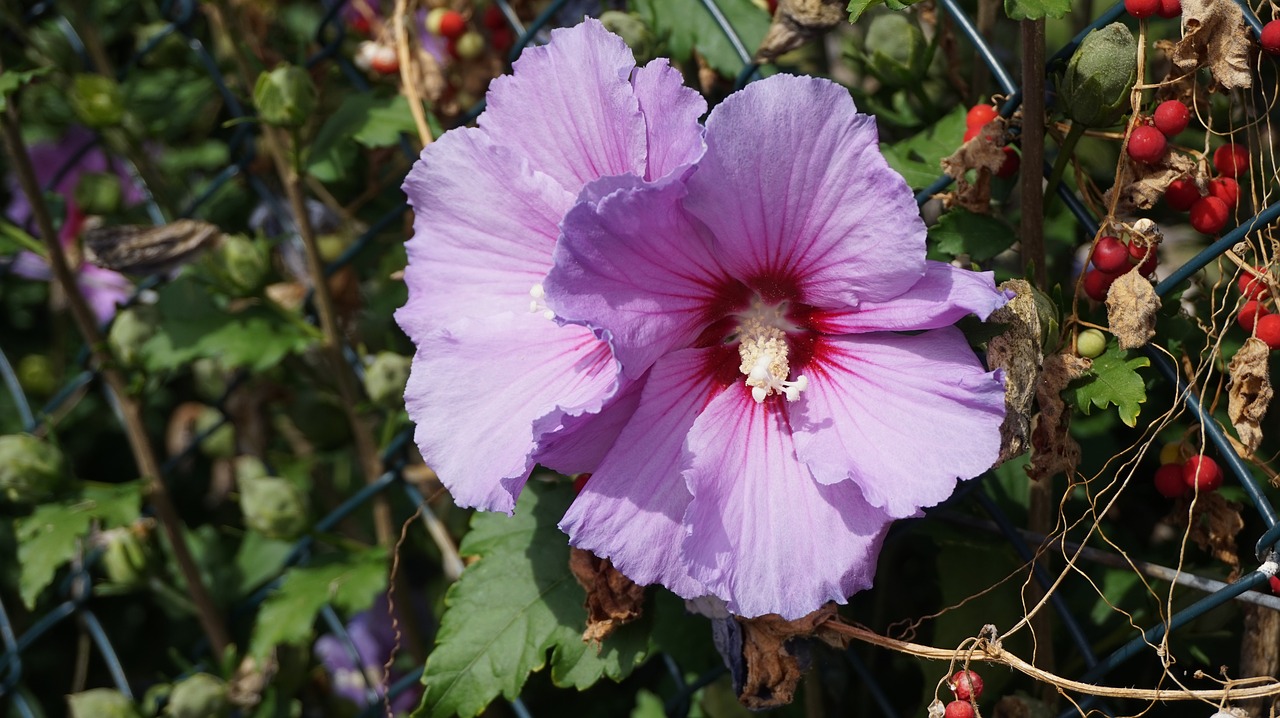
[496, 386]
[784, 423]
[374, 638]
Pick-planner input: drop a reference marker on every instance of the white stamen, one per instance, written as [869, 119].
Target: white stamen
[763, 348]
[537, 305]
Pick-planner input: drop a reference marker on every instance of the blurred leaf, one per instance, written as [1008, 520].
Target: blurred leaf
[1113, 380]
[349, 582]
[361, 118]
[687, 26]
[48, 538]
[857, 7]
[386, 119]
[919, 158]
[258, 560]
[1036, 9]
[980, 236]
[512, 605]
[11, 80]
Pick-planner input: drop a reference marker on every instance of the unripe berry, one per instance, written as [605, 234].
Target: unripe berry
[1090, 344]
[1209, 215]
[1251, 286]
[1171, 117]
[966, 685]
[1181, 194]
[1201, 473]
[1096, 284]
[959, 709]
[980, 115]
[1227, 190]
[1268, 330]
[1270, 38]
[1111, 255]
[1231, 160]
[1147, 144]
[1171, 454]
[1249, 315]
[470, 45]
[1169, 482]
[1170, 8]
[1141, 8]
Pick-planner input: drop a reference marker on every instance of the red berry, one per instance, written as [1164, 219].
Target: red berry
[1231, 160]
[1250, 313]
[1171, 117]
[502, 38]
[359, 23]
[1012, 161]
[452, 24]
[1202, 473]
[579, 481]
[493, 18]
[385, 61]
[1181, 194]
[972, 132]
[1209, 215]
[980, 115]
[1252, 287]
[1141, 8]
[1270, 38]
[1227, 190]
[1268, 330]
[1170, 8]
[1168, 481]
[966, 685]
[1147, 144]
[1111, 255]
[1096, 284]
[1274, 581]
[1144, 254]
[959, 709]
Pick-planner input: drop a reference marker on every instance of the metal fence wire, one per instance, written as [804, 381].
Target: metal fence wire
[76, 599]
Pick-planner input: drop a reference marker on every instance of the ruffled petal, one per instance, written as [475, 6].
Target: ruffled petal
[763, 535]
[483, 392]
[904, 417]
[570, 108]
[635, 267]
[793, 185]
[104, 290]
[943, 295]
[671, 111]
[484, 226]
[582, 443]
[630, 511]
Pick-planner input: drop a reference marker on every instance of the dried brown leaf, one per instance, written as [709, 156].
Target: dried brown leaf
[1132, 305]
[1148, 182]
[797, 22]
[1019, 353]
[982, 154]
[768, 648]
[1053, 450]
[612, 599]
[1215, 521]
[1251, 391]
[1214, 35]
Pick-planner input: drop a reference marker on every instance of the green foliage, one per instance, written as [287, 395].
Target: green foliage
[11, 80]
[97, 100]
[981, 236]
[31, 469]
[101, 703]
[362, 119]
[1095, 89]
[919, 157]
[897, 52]
[687, 26]
[857, 7]
[349, 582]
[1036, 9]
[511, 607]
[53, 533]
[1114, 380]
[285, 96]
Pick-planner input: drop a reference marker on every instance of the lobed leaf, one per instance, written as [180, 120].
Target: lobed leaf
[1114, 380]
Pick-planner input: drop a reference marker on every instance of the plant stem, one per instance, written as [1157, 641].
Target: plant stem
[1032, 224]
[1064, 158]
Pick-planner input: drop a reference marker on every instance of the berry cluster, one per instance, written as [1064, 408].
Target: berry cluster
[1146, 8]
[967, 687]
[979, 117]
[462, 43]
[1112, 257]
[1176, 478]
[1254, 317]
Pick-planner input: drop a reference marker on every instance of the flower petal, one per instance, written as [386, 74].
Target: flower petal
[942, 296]
[582, 443]
[630, 511]
[793, 184]
[903, 416]
[483, 392]
[103, 289]
[570, 108]
[671, 111]
[763, 535]
[484, 227]
[636, 267]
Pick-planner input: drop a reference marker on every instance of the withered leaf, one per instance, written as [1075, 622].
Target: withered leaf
[1132, 305]
[1148, 182]
[136, 249]
[1053, 450]
[983, 154]
[797, 22]
[1019, 353]
[1214, 35]
[1250, 392]
[1215, 521]
[773, 650]
[612, 599]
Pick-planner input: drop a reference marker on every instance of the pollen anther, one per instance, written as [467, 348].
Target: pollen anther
[763, 349]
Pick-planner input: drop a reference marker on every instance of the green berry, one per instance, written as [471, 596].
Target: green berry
[1091, 343]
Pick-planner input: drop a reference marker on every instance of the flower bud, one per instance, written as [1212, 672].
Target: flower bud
[36, 375]
[1095, 89]
[198, 696]
[98, 193]
[385, 378]
[97, 101]
[221, 444]
[273, 506]
[897, 50]
[285, 96]
[31, 469]
[239, 264]
[101, 703]
[633, 31]
[127, 555]
[132, 328]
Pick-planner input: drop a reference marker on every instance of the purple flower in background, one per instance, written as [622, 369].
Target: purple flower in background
[496, 385]
[785, 422]
[374, 639]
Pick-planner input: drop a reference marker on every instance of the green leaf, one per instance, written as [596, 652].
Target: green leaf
[1036, 9]
[193, 326]
[1113, 380]
[514, 604]
[49, 537]
[857, 7]
[349, 582]
[980, 236]
[11, 80]
[386, 119]
[919, 158]
[688, 26]
[361, 118]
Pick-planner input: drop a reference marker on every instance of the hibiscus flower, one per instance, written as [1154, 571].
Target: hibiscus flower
[805, 385]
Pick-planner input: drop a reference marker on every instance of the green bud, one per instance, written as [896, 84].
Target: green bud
[633, 31]
[221, 444]
[97, 101]
[98, 193]
[285, 96]
[210, 378]
[127, 556]
[273, 506]
[36, 375]
[132, 328]
[897, 50]
[101, 703]
[198, 696]
[31, 469]
[385, 377]
[240, 264]
[1095, 90]
[248, 468]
